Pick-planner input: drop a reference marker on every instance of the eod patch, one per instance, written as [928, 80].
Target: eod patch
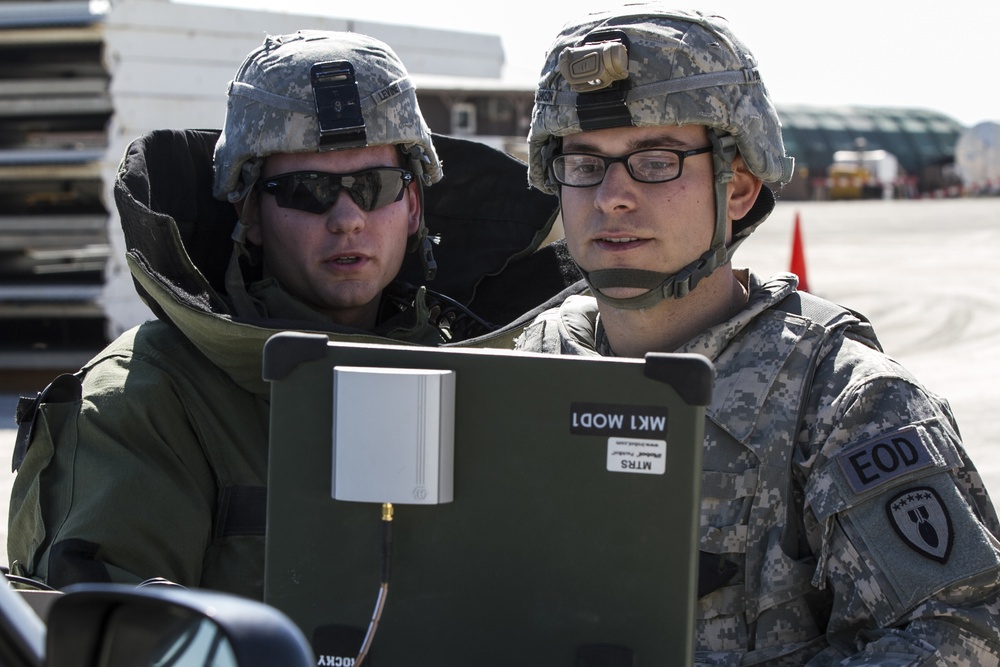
[885, 458]
[921, 520]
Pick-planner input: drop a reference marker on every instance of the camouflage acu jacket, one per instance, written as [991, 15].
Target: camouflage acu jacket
[838, 504]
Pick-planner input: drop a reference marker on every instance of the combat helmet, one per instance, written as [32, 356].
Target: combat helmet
[644, 65]
[314, 91]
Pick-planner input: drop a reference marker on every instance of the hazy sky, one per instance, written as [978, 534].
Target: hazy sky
[943, 56]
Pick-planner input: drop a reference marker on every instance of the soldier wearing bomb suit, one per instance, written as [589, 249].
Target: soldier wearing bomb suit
[151, 461]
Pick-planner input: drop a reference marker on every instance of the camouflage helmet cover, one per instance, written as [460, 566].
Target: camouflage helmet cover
[683, 68]
[273, 109]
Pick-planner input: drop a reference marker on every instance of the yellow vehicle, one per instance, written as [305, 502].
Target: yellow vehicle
[847, 181]
[861, 174]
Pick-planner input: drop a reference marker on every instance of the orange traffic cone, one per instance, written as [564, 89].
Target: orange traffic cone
[799, 257]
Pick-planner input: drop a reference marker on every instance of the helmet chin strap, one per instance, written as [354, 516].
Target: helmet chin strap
[419, 242]
[663, 286]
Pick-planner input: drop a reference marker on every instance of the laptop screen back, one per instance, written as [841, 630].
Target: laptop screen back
[571, 536]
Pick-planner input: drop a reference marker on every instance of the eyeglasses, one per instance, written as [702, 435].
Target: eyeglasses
[317, 191]
[651, 165]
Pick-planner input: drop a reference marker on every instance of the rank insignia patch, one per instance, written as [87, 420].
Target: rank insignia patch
[922, 521]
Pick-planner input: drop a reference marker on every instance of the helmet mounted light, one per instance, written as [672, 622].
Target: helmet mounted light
[597, 71]
[338, 106]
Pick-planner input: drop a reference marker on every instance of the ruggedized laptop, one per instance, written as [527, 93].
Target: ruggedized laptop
[562, 521]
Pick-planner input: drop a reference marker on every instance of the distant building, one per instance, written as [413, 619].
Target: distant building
[490, 111]
[922, 142]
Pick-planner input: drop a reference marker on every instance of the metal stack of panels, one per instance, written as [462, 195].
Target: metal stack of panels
[54, 109]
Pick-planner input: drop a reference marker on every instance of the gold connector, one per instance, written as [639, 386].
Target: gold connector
[387, 511]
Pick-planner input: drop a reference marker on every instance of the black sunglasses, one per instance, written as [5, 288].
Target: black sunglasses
[316, 191]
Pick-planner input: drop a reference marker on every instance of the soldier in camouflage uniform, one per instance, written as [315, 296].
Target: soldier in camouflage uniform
[151, 461]
[842, 522]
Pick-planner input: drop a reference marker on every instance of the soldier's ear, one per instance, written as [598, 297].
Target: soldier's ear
[743, 190]
[414, 209]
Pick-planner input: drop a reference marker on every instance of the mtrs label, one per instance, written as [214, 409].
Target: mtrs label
[637, 455]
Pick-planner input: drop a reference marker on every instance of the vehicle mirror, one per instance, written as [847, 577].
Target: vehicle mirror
[22, 633]
[112, 625]
[160, 636]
